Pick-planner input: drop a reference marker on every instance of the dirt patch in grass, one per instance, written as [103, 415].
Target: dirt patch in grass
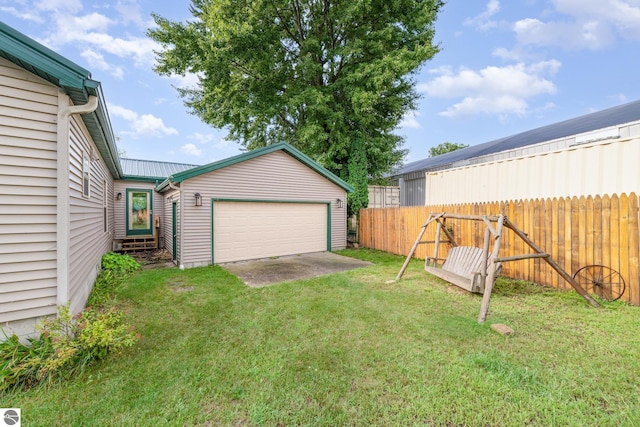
[157, 258]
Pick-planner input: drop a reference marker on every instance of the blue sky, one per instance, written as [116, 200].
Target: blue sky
[504, 67]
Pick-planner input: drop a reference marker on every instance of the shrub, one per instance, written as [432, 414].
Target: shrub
[66, 345]
[119, 263]
[115, 268]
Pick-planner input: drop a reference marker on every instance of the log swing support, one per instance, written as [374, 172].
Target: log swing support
[475, 269]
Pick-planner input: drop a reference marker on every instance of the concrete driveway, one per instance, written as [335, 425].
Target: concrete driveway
[264, 272]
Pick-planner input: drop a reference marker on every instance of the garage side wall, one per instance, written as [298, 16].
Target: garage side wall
[274, 176]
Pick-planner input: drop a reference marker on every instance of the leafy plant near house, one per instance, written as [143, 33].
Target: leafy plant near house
[69, 343]
[115, 267]
[65, 346]
[119, 263]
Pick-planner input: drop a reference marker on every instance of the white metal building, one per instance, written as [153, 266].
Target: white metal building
[616, 123]
[604, 166]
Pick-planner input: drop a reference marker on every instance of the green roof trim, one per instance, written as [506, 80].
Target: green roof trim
[138, 178]
[73, 79]
[23, 48]
[281, 146]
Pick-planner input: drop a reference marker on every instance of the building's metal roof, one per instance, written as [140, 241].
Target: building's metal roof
[74, 80]
[151, 169]
[621, 114]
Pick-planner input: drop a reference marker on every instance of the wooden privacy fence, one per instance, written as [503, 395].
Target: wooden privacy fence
[575, 231]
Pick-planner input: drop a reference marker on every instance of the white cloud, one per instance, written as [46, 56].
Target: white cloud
[72, 6]
[67, 24]
[122, 112]
[140, 49]
[483, 21]
[150, 125]
[145, 125]
[410, 120]
[620, 98]
[201, 138]
[587, 24]
[129, 11]
[188, 81]
[621, 15]
[97, 61]
[26, 15]
[508, 55]
[567, 35]
[492, 90]
[191, 149]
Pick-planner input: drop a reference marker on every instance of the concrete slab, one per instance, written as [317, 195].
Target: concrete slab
[264, 272]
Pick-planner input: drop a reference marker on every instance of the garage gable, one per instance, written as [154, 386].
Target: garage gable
[282, 146]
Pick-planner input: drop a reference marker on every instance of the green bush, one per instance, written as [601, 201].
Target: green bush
[119, 263]
[115, 268]
[66, 345]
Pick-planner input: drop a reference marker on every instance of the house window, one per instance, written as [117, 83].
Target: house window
[105, 204]
[86, 175]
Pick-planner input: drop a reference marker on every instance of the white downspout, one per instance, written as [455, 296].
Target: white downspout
[180, 217]
[63, 228]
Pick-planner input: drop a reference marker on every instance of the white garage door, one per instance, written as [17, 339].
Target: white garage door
[250, 230]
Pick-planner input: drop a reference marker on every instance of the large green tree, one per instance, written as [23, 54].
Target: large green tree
[331, 77]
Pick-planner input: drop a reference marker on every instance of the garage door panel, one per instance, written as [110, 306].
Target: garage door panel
[249, 230]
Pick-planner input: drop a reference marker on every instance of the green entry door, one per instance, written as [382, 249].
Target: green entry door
[139, 212]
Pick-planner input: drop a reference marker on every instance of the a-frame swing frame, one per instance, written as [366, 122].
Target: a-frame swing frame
[490, 260]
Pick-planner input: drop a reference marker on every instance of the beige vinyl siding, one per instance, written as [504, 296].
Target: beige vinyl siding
[88, 241]
[599, 168]
[274, 176]
[120, 206]
[166, 224]
[28, 111]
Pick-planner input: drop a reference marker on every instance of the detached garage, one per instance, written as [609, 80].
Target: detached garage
[273, 201]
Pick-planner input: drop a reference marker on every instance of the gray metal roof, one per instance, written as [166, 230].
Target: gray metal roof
[589, 122]
[133, 168]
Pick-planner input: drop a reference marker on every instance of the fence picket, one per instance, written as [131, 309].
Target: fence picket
[633, 281]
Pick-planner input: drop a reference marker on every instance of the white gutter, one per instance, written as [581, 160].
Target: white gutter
[180, 221]
[63, 227]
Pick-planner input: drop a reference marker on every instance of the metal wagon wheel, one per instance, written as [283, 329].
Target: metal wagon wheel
[602, 281]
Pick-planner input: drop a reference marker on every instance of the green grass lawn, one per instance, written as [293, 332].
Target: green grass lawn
[352, 349]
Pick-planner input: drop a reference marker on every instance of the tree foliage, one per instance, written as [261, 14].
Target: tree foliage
[445, 147]
[331, 77]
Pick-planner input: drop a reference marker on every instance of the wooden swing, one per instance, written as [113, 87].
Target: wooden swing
[475, 269]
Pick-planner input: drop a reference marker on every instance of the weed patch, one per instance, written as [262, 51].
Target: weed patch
[67, 344]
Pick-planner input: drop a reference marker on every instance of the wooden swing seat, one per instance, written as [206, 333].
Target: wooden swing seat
[462, 268]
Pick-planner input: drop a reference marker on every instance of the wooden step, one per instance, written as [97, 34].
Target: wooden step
[139, 243]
